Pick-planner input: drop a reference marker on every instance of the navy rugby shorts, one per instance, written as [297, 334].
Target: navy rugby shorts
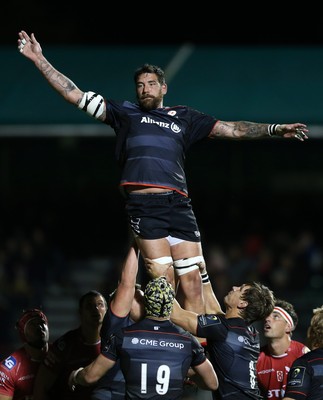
[158, 215]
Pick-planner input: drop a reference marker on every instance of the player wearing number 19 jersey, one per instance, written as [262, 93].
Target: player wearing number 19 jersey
[155, 357]
[155, 354]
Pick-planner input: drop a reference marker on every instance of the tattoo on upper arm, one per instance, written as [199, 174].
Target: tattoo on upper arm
[222, 129]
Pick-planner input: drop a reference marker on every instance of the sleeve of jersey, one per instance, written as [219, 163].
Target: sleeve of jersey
[111, 323]
[107, 325]
[210, 325]
[200, 125]
[299, 381]
[109, 350]
[116, 114]
[198, 353]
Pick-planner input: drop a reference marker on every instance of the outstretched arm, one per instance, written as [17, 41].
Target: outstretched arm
[186, 319]
[253, 130]
[122, 299]
[89, 102]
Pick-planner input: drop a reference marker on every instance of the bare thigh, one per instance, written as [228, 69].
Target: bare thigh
[155, 248]
[189, 285]
[186, 249]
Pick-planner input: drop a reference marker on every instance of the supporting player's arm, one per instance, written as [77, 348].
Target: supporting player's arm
[91, 373]
[205, 376]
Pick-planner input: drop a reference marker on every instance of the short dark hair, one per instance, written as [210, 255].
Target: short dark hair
[261, 302]
[289, 308]
[150, 69]
[90, 294]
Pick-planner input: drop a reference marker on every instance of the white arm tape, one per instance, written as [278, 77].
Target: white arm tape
[72, 379]
[93, 104]
[186, 265]
[163, 260]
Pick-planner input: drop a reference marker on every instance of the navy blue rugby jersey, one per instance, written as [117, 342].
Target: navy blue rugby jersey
[111, 324]
[305, 378]
[233, 348]
[155, 357]
[113, 381]
[151, 145]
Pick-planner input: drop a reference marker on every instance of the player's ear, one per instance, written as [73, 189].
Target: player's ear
[242, 304]
[288, 328]
[164, 88]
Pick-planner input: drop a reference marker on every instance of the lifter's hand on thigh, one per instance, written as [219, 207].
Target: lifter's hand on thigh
[156, 269]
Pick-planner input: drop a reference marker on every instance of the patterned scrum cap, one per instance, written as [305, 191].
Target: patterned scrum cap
[26, 316]
[159, 298]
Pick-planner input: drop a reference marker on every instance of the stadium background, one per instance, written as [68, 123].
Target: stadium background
[252, 199]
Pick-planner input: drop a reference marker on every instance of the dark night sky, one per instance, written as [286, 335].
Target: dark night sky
[142, 23]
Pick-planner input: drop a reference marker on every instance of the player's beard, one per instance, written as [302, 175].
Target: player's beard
[151, 102]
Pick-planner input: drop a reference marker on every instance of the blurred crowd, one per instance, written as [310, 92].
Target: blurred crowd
[290, 264]
[29, 262]
[285, 262]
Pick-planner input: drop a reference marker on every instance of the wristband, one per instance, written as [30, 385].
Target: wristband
[272, 129]
[205, 278]
[74, 378]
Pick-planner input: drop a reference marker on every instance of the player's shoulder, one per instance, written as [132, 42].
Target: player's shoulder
[298, 347]
[177, 107]
[211, 319]
[71, 337]
[19, 353]
[181, 331]
[315, 355]
[310, 358]
[14, 359]
[176, 110]
[122, 104]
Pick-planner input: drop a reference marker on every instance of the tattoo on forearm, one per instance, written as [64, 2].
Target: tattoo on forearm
[251, 129]
[239, 129]
[55, 78]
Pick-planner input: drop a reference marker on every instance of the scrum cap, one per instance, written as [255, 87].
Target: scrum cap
[159, 298]
[27, 316]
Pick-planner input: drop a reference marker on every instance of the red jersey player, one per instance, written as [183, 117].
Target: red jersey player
[18, 370]
[277, 356]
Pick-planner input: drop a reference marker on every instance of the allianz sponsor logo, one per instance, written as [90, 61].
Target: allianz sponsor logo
[147, 120]
[157, 343]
